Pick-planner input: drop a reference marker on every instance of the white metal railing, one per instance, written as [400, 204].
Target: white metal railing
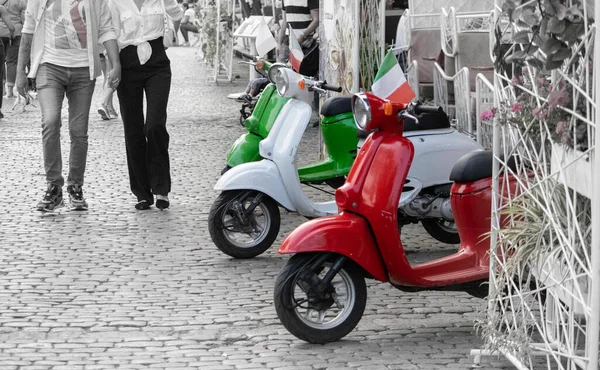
[461, 109]
[484, 101]
[412, 76]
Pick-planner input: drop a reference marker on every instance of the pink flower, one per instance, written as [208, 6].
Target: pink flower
[541, 82]
[561, 127]
[516, 107]
[487, 115]
[558, 97]
[539, 113]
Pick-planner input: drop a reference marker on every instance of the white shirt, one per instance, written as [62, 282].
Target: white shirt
[66, 33]
[135, 26]
[191, 13]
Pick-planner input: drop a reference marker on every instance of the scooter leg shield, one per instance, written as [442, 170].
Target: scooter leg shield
[346, 234]
[244, 150]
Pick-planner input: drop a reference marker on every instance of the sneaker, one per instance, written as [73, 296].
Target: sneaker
[103, 112]
[76, 200]
[52, 199]
[244, 98]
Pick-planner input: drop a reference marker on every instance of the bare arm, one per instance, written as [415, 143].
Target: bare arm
[282, 29]
[112, 51]
[311, 27]
[6, 19]
[23, 60]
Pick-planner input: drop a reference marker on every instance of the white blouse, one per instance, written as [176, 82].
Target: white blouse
[135, 26]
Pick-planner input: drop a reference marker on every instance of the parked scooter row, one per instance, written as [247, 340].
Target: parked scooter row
[320, 294]
[244, 220]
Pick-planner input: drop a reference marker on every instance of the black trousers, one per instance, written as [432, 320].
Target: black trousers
[146, 139]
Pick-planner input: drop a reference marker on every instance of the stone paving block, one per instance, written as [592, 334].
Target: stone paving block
[119, 285]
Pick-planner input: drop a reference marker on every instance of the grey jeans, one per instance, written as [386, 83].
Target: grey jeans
[53, 83]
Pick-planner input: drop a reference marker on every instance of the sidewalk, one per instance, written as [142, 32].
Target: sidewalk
[117, 288]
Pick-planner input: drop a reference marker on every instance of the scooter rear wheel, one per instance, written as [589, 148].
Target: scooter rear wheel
[241, 236]
[314, 318]
[442, 231]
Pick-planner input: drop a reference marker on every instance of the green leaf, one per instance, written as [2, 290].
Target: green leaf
[556, 26]
[521, 37]
[572, 33]
[562, 54]
[574, 14]
[548, 8]
[536, 63]
[551, 64]
[561, 11]
[530, 18]
[517, 56]
[531, 49]
[551, 46]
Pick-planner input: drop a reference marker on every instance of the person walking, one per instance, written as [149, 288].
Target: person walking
[11, 42]
[146, 71]
[60, 39]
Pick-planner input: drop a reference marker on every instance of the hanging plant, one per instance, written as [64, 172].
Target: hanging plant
[208, 15]
[547, 31]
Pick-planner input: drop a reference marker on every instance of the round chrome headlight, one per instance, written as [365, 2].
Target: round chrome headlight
[362, 111]
[281, 82]
[273, 71]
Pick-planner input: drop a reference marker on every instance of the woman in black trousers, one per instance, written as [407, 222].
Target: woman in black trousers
[146, 69]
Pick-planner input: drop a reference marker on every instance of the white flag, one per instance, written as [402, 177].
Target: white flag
[265, 41]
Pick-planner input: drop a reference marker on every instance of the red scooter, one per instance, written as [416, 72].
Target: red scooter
[320, 294]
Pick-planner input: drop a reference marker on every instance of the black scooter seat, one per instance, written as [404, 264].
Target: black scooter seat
[476, 166]
[336, 105]
[428, 121]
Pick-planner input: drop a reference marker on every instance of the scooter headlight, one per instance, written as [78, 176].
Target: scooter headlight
[361, 110]
[281, 82]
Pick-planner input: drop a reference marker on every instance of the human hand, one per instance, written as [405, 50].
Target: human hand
[22, 83]
[114, 77]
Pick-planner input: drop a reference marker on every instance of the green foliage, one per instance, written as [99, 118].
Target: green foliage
[552, 26]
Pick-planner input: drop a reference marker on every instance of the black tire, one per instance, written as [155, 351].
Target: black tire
[298, 324]
[441, 232]
[219, 232]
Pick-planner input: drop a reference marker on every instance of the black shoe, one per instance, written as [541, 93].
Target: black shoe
[162, 202]
[52, 200]
[143, 205]
[76, 200]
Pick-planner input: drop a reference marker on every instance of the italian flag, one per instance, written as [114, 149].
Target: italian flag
[390, 82]
[296, 54]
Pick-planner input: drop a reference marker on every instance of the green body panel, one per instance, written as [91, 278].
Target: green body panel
[265, 112]
[339, 136]
[244, 150]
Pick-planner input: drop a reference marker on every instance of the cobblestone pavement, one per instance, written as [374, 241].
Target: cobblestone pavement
[118, 288]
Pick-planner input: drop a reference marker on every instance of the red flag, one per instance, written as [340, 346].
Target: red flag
[296, 54]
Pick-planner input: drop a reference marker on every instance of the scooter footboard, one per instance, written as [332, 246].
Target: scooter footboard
[346, 234]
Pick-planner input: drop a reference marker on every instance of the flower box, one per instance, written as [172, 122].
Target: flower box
[553, 272]
[577, 168]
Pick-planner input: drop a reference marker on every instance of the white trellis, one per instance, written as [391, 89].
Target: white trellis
[544, 303]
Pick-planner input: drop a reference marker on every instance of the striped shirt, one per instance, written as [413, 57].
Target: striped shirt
[297, 13]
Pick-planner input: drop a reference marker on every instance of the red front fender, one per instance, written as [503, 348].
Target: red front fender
[346, 234]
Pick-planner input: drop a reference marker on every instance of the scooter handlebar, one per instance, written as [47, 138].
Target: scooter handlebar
[427, 109]
[325, 86]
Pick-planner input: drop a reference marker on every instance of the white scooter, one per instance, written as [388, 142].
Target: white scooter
[244, 220]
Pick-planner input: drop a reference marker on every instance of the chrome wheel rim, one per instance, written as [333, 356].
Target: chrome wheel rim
[249, 236]
[344, 298]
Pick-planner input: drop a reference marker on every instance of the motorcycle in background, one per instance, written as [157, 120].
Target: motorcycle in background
[244, 220]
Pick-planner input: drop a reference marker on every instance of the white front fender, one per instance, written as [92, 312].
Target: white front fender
[261, 176]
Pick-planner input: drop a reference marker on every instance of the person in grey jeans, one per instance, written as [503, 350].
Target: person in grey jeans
[65, 61]
[11, 41]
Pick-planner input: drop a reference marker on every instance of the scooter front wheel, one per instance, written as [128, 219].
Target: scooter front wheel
[243, 223]
[315, 310]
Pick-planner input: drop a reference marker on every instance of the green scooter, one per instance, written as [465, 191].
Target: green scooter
[337, 128]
